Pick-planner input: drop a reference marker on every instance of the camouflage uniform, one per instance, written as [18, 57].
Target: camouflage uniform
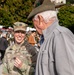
[26, 53]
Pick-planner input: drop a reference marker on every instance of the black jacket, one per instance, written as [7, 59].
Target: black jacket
[3, 43]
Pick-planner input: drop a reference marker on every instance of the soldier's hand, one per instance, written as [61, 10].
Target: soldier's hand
[17, 62]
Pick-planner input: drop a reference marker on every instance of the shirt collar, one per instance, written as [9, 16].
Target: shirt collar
[50, 29]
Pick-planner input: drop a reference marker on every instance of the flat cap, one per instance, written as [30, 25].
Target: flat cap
[44, 5]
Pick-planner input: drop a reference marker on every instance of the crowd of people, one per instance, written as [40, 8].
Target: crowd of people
[48, 50]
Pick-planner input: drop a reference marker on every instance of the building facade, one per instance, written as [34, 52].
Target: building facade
[59, 1]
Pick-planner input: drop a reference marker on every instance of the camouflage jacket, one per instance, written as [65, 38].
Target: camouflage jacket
[26, 53]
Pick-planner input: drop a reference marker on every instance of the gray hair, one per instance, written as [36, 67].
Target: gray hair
[47, 15]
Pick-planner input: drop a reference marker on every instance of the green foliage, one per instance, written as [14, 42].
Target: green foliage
[70, 1]
[66, 16]
[18, 10]
[15, 10]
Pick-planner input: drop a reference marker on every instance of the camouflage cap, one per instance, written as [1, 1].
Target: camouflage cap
[20, 26]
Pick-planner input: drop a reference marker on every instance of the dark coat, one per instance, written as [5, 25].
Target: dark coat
[3, 43]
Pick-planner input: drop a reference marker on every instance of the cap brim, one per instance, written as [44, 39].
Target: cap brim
[39, 9]
[19, 29]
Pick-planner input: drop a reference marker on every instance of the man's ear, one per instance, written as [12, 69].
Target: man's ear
[40, 18]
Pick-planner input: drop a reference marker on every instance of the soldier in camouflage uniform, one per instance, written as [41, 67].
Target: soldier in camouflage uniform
[20, 58]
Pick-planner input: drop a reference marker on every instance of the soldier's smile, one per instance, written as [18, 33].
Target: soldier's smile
[19, 36]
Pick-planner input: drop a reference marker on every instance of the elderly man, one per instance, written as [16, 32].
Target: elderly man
[20, 58]
[56, 55]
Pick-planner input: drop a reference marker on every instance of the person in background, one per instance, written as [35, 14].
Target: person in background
[3, 45]
[10, 37]
[20, 58]
[56, 54]
[32, 38]
[0, 33]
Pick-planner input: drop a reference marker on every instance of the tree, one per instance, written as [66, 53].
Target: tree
[15, 10]
[70, 1]
[66, 16]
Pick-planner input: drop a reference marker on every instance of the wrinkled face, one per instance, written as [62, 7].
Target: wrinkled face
[39, 25]
[19, 36]
[36, 25]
